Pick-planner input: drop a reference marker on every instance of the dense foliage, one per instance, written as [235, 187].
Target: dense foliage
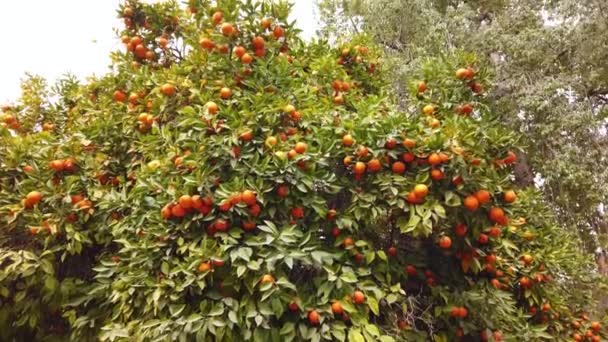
[228, 182]
[549, 74]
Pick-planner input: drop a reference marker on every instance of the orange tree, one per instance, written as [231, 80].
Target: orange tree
[228, 182]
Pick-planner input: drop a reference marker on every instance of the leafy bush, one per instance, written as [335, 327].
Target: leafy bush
[228, 181]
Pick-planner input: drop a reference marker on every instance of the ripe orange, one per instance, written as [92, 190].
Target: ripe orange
[338, 99]
[390, 143]
[225, 93]
[247, 135]
[267, 279]
[408, 157]
[248, 197]
[221, 225]
[249, 226]
[300, 147]
[392, 251]
[596, 326]
[313, 317]
[434, 159]
[421, 190]
[527, 259]
[464, 74]
[347, 140]
[289, 109]
[178, 211]
[118, 96]
[409, 143]
[436, 174]
[336, 308]
[212, 107]
[359, 168]
[246, 59]
[398, 168]
[32, 198]
[348, 241]
[204, 267]
[374, 165]
[278, 32]
[239, 51]
[461, 229]
[362, 152]
[509, 196]
[445, 242]
[265, 23]
[227, 29]
[28, 169]
[258, 42]
[185, 202]
[471, 203]
[57, 165]
[206, 43]
[358, 297]
[496, 215]
[428, 109]
[483, 196]
[168, 89]
[421, 87]
[217, 17]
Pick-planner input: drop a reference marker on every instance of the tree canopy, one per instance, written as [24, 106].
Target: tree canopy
[549, 74]
[225, 181]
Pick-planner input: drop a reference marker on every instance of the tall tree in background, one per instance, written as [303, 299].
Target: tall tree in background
[550, 66]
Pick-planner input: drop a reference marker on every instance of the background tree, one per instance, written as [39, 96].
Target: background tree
[228, 182]
[550, 82]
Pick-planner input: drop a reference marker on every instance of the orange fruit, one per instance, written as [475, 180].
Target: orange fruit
[436, 174]
[428, 109]
[267, 279]
[265, 23]
[212, 107]
[471, 203]
[32, 198]
[313, 317]
[509, 196]
[359, 168]
[300, 147]
[421, 87]
[374, 165]
[278, 32]
[185, 202]
[409, 143]
[206, 43]
[496, 214]
[239, 51]
[248, 197]
[118, 96]
[336, 308]
[445, 242]
[247, 135]
[347, 140]
[168, 89]
[204, 267]
[178, 211]
[483, 196]
[258, 42]
[246, 59]
[398, 168]
[217, 17]
[362, 152]
[434, 159]
[225, 93]
[227, 29]
[421, 190]
[358, 297]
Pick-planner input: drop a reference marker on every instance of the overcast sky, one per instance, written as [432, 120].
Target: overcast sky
[52, 37]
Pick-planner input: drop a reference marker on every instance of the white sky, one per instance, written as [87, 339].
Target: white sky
[52, 37]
